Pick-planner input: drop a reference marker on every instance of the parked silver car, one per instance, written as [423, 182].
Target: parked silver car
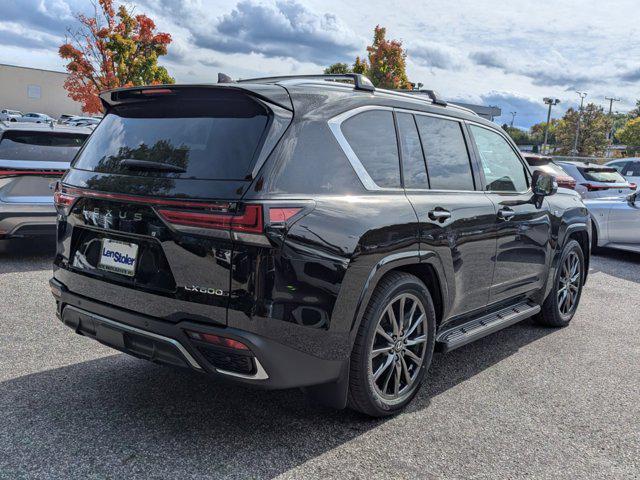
[615, 222]
[34, 117]
[32, 158]
[629, 168]
[7, 115]
[597, 181]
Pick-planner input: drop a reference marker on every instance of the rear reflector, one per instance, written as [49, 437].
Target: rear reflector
[281, 215]
[217, 340]
[249, 221]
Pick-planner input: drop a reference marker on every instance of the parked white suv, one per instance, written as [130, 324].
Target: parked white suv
[10, 115]
[597, 181]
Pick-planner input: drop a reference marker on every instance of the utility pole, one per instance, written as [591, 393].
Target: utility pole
[611, 100]
[513, 117]
[575, 145]
[551, 102]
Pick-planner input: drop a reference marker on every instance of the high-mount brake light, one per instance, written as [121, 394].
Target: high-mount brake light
[281, 215]
[217, 340]
[156, 91]
[249, 221]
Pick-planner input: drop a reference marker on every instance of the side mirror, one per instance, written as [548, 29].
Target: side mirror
[543, 184]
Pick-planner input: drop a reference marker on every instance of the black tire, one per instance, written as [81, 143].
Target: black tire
[395, 289]
[552, 314]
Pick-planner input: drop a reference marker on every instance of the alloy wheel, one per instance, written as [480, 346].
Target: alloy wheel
[398, 348]
[569, 284]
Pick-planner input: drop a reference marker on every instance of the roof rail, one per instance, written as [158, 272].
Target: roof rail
[432, 94]
[360, 81]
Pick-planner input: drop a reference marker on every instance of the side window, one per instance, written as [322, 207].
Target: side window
[632, 169]
[619, 166]
[413, 167]
[447, 157]
[372, 136]
[503, 170]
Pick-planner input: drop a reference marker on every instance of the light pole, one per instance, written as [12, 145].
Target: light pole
[575, 144]
[513, 117]
[611, 100]
[551, 102]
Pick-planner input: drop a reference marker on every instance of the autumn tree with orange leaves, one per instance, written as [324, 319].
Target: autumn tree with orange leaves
[386, 65]
[113, 48]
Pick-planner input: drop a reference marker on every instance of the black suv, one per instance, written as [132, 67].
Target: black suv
[308, 232]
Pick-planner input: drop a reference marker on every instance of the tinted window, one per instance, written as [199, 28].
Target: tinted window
[632, 169]
[503, 170]
[210, 134]
[41, 146]
[413, 167]
[607, 175]
[447, 157]
[372, 136]
[619, 166]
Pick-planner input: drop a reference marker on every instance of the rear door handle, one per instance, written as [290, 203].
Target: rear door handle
[439, 214]
[506, 213]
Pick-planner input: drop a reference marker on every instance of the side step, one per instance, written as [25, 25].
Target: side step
[480, 327]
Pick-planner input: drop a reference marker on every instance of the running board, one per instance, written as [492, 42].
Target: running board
[480, 327]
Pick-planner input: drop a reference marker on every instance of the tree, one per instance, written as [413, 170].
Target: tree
[520, 137]
[630, 133]
[337, 69]
[536, 132]
[594, 127]
[112, 49]
[386, 66]
[635, 113]
[387, 61]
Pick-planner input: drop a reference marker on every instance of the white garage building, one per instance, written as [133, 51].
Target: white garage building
[35, 90]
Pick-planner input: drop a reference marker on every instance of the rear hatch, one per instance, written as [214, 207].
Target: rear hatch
[605, 181]
[30, 161]
[153, 202]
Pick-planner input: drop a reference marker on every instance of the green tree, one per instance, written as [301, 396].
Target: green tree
[594, 127]
[337, 69]
[360, 66]
[630, 133]
[520, 137]
[635, 113]
[536, 132]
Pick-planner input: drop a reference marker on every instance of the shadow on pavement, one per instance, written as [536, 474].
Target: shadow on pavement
[617, 263]
[118, 416]
[27, 255]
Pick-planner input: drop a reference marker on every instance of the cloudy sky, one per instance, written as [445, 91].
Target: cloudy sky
[505, 53]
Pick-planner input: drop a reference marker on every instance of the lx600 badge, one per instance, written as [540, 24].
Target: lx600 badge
[209, 291]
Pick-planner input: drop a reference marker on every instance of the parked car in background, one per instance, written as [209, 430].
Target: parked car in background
[629, 168]
[595, 181]
[546, 164]
[615, 222]
[33, 117]
[262, 232]
[10, 115]
[32, 158]
[84, 122]
[62, 119]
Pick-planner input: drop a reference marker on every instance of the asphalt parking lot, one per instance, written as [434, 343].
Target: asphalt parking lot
[527, 402]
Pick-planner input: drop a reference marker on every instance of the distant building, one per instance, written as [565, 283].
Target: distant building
[485, 112]
[35, 90]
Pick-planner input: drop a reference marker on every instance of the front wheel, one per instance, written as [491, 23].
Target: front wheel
[561, 303]
[393, 347]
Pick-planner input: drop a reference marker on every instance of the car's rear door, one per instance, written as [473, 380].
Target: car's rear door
[155, 199]
[30, 161]
[523, 228]
[456, 219]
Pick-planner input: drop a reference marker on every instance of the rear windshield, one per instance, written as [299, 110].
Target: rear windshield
[606, 175]
[553, 169]
[209, 133]
[40, 146]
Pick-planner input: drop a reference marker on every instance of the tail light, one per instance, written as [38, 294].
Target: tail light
[566, 183]
[217, 340]
[248, 221]
[594, 188]
[63, 199]
[633, 186]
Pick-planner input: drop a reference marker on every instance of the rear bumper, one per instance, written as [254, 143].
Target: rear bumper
[276, 366]
[27, 220]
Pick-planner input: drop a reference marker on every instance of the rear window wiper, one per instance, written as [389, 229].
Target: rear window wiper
[133, 164]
